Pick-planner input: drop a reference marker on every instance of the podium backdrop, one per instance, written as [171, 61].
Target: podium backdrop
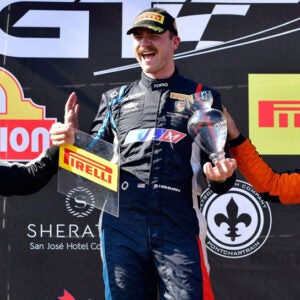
[248, 50]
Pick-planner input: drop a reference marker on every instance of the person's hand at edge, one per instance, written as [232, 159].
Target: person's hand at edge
[221, 171]
[65, 133]
[72, 111]
[232, 130]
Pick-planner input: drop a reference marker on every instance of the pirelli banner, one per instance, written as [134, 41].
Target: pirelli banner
[248, 50]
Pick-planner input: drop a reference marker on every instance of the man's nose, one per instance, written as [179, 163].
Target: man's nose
[145, 40]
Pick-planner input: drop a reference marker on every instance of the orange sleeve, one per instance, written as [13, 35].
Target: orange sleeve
[262, 177]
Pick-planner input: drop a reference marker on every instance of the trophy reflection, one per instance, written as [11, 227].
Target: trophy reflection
[200, 101]
[208, 126]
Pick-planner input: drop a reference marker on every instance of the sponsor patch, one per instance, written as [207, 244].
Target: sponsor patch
[179, 106]
[154, 134]
[156, 86]
[151, 16]
[182, 97]
[131, 107]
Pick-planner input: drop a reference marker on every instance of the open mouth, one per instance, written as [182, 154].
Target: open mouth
[148, 55]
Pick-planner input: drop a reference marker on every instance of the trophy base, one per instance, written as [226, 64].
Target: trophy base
[218, 156]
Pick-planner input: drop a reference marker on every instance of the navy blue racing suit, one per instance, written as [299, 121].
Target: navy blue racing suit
[154, 245]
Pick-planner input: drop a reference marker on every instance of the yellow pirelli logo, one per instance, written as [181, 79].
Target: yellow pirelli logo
[151, 16]
[182, 97]
[274, 113]
[89, 166]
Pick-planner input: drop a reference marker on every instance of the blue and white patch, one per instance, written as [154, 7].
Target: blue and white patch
[154, 134]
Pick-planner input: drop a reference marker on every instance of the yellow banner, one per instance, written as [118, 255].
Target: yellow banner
[274, 113]
[89, 166]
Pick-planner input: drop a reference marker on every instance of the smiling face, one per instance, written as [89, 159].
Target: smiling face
[154, 52]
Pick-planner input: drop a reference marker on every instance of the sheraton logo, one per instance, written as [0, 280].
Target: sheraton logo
[89, 166]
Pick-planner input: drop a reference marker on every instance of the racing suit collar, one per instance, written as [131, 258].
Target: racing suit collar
[156, 84]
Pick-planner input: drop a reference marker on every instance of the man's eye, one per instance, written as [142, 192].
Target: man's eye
[155, 36]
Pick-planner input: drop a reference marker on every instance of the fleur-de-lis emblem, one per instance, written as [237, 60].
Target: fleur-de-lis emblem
[233, 219]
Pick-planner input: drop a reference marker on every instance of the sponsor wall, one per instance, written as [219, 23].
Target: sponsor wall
[248, 50]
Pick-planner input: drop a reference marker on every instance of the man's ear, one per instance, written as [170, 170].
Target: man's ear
[175, 42]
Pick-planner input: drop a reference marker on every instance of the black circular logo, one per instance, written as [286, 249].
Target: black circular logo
[238, 222]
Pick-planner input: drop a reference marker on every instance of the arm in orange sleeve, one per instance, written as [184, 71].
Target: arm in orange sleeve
[262, 177]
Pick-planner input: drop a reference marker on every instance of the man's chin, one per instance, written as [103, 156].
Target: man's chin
[147, 69]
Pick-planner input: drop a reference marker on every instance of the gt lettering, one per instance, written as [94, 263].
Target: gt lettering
[62, 46]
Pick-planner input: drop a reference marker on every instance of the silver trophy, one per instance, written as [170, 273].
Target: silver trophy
[199, 101]
[208, 126]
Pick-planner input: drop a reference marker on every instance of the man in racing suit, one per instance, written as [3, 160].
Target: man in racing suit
[273, 186]
[154, 245]
[155, 238]
[156, 210]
